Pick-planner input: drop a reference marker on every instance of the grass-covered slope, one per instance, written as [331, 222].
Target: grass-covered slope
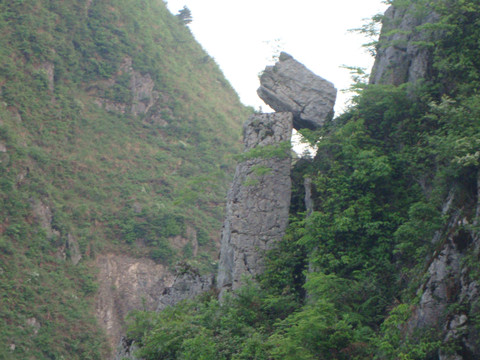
[116, 134]
[393, 176]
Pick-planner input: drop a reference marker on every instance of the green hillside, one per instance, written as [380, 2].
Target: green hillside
[116, 134]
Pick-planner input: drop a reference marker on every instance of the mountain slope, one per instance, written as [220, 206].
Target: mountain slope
[116, 136]
[386, 264]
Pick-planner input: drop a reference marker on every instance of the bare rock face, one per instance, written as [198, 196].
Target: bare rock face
[400, 58]
[258, 201]
[450, 298]
[43, 215]
[188, 283]
[144, 97]
[290, 87]
[125, 284]
[73, 249]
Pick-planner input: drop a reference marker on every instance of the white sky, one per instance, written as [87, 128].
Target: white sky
[242, 36]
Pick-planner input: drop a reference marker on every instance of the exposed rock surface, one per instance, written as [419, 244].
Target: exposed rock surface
[126, 350]
[141, 86]
[188, 283]
[258, 201]
[307, 183]
[125, 284]
[449, 298]
[43, 215]
[73, 249]
[289, 86]
[448, 282]
[400, 58]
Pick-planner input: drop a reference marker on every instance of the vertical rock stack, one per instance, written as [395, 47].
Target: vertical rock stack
[259, 199]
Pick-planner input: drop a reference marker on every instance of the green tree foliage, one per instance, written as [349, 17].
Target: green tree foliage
[185, 15]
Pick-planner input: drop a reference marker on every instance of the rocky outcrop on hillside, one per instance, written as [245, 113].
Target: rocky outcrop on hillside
[401, 57]
[126, 284]
[290, 87]
[141, 86]
[258, 201]
[188, 283]
[449, 297]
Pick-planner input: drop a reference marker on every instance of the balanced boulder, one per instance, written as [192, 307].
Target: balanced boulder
[289, 86]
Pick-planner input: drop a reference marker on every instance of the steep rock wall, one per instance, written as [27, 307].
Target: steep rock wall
[187, 284]
[258, 201]
[400, 57]
[126, 284]
[449, 298]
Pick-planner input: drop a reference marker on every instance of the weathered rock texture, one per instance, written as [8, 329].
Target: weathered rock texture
[125, 284]
[258, 201]
[400, 58]
[448, 282]
[144, 97]
[449, 298]
[126, 350]
[188, 283]
[289, 86]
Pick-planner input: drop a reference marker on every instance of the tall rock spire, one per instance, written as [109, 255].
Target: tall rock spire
[258, 201]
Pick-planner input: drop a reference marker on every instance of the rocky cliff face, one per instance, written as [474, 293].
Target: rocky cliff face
[401, 57]
[258, 201]
[126, 284]
[449, 297]
[187, 284]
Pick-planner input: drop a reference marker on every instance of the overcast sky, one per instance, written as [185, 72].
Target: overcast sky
[242, 36]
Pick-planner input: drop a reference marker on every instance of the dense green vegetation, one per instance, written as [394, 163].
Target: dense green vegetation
[79, 166]
[383, 173]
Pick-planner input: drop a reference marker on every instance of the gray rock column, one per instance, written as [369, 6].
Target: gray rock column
[258, 201]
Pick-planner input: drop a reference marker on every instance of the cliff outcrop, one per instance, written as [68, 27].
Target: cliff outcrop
[125, 284]
[402, 54]
[449, 296]
[187, 284]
